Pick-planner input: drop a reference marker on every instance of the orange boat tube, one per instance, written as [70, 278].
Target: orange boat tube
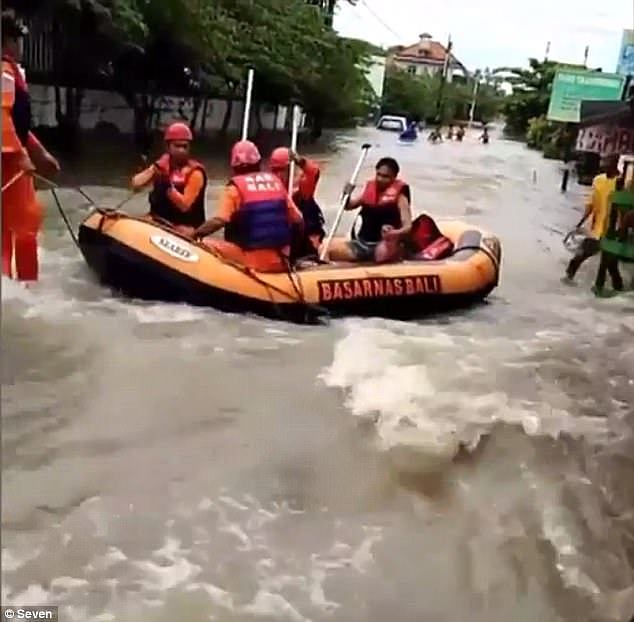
[144, 259]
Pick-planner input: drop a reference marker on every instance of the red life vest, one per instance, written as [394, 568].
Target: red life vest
[21, 111]
[160, 204]
[380, 208]
[262, 220]
[428, 241]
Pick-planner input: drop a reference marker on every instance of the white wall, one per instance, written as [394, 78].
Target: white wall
[425, 70]
[104, 106]
[376, 74]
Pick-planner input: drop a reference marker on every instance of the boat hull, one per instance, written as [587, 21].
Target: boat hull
[145, 260]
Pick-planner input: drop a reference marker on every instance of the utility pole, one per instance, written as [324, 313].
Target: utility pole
[443, 79]
[547, 51]
[476, 86]
[585, 56]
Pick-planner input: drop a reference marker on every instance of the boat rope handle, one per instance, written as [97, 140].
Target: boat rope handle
[15, 178]
[52, 184]
[69, 227]
[166, 226]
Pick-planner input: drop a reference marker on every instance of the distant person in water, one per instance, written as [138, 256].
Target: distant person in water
[598, 208]
[460, 133]
[484, 138]
[386, 216]
[178, 182]
[410, 132]
[450, 132]
[435, 136]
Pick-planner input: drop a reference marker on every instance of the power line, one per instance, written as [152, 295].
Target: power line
[380, 20]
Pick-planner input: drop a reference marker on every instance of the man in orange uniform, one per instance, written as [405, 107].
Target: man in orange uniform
[178, 195]
[21, 212]
[304, 190]
[256, 213]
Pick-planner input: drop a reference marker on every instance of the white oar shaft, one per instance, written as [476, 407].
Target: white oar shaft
[247, 105]
[344, 202]
[294, 132]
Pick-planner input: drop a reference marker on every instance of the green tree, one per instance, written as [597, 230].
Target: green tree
[531, 93]
[417, 97]
[143, 48]
[410, 95]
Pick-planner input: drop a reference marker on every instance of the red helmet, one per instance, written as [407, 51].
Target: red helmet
[178, 131]
[244, 152]
[280, 158]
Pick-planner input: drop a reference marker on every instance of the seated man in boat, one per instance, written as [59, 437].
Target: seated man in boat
[386, 215]
[178, 195]
[256, 214]
[306, 243]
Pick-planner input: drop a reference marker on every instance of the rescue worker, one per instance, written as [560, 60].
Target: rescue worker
[179, 182]
[305, 186]
[386, 215]
[22, 214]
[597, 207]
[256, 214]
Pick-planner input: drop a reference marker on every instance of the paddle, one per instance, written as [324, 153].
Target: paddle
[294, 132]
[344, 201]
[247, 105]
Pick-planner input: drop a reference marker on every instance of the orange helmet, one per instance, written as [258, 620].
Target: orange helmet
[280, 158]
[244, 152]
[178, 131]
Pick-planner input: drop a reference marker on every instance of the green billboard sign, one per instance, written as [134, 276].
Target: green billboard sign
[572, 86]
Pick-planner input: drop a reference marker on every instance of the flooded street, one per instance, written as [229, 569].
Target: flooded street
[168, 463]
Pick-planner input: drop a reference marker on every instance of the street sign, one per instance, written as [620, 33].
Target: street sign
[572, 86]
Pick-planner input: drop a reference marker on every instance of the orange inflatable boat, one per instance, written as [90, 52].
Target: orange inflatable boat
[146, 260]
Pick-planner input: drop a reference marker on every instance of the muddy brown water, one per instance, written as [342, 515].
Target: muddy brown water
[164, 463]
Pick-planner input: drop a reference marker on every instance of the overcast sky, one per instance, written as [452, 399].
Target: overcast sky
[497, 33]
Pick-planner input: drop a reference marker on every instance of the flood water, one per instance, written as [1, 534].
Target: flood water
[165, 463]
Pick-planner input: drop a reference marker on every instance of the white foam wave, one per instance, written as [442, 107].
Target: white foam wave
[286, 583]
[429, 392]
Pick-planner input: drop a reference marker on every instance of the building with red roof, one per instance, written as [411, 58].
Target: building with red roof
[426, 57]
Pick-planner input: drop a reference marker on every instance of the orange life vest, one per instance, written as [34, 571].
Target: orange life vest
[21, 107]
[160, 204]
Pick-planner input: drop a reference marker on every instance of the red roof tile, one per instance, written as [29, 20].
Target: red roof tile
[417, 53]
